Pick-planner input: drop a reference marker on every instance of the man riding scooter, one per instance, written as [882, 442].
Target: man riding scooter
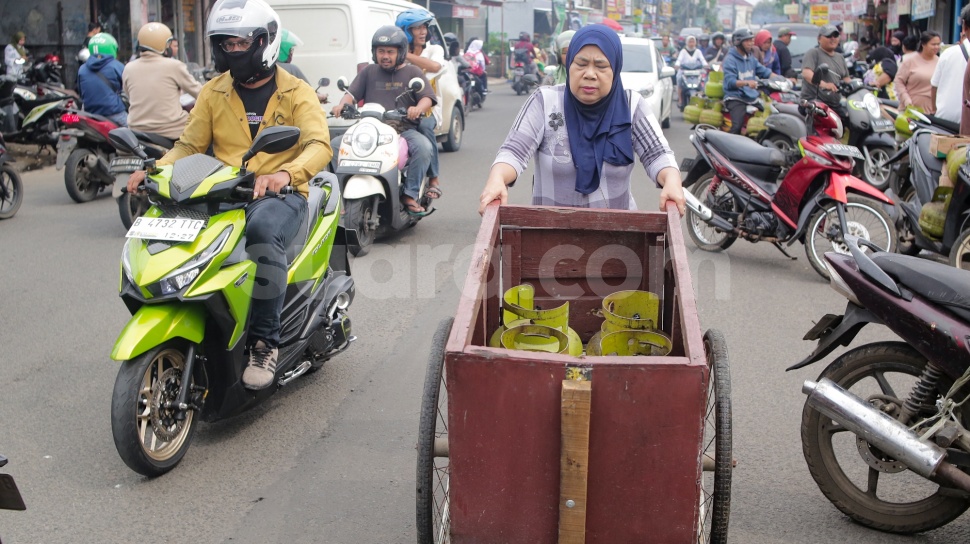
[740, 86]
[246, 45]
[386, 83]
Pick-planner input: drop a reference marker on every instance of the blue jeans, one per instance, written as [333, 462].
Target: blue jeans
[426, 127]
[419, 160]
[271, 224]
[120, 119]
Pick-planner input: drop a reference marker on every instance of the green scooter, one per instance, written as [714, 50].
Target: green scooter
[188, 281]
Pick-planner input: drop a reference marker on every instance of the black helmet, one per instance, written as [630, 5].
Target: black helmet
[452, 42]
[718, 36]
[390, 36]
[525, 36]
[741, 35]
[703, 38]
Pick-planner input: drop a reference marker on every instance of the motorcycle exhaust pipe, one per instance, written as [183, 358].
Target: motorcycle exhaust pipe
[705, 213]
[883, 432]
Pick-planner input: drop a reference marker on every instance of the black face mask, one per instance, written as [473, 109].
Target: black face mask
[897, 49]
[244, 67]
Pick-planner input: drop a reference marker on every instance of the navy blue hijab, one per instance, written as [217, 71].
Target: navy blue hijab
[601, 131]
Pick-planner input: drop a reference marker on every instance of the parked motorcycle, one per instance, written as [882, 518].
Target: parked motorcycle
[817, 202]
[10, 498]
[11, 186]
[188, 281]
[370, 165]
[45, 71]
[29, 120]
[884, 426]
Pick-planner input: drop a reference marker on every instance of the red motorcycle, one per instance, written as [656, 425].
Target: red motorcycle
[84, 152]
[735, 192]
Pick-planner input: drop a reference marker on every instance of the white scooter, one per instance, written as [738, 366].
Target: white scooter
[370, 166]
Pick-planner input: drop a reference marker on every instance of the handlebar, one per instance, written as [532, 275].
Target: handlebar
[247, 192]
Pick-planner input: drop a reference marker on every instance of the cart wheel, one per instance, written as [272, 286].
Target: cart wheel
[433, 517]
[715, 508]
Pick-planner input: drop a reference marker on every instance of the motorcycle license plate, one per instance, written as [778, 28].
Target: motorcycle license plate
[64, 149]
[125, 165]
[173, 229]
[519, 72]
[10, 498]
[882, 125]
[844, 150]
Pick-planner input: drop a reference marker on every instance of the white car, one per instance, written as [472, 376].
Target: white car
[645, 72]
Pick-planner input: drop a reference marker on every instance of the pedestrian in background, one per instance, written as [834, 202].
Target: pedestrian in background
[784, 55]
[947, 90]
[15, 55]
[916, 72]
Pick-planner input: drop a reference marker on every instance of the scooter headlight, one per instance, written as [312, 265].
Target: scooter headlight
[872, 106]
[188, 272]
[365, 140]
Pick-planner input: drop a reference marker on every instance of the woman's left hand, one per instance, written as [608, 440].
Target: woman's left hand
[672, 190]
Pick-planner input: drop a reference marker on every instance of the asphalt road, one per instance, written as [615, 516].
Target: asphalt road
[331, 458]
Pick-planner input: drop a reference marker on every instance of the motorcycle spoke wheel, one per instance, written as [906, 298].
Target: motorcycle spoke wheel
[433, 492]
[149, 437]
[81, 182]
[960, 252]
[864, 483]
[722, 203]
[11, 192]
[715, 507]
[864, 218]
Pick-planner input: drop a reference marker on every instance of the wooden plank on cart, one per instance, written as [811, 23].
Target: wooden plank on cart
[574, 461]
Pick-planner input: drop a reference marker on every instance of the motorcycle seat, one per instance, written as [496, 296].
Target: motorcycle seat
[315, 202]
[889, 103]
[939, 283]
[945, 124]
[156, 139]
[744, 150]
[784, 107]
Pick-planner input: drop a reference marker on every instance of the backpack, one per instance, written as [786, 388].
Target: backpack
[475, 67]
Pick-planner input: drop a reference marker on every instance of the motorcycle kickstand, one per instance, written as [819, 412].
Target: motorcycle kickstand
[783, 252]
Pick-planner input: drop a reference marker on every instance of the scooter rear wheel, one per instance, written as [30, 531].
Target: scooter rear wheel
[705, 236]
[150, 439]
[80, 180]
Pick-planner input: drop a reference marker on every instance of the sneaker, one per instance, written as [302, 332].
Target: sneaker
[262, 366]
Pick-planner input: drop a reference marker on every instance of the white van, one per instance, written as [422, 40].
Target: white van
[337, 36]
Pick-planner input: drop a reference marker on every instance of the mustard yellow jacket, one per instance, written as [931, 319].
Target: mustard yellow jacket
[219, 118]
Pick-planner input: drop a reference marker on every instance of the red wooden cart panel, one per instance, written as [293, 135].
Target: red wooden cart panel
[647, 413]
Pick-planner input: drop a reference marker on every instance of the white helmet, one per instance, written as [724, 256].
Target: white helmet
[248, 19]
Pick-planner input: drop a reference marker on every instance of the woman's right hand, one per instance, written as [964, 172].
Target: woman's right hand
[495, 189]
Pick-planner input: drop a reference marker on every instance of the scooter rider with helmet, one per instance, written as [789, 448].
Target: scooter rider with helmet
[740, 70]
[154, 82]
[253, 93]
[430, 58]
[386, 83]
[99, 80]
[717, 50]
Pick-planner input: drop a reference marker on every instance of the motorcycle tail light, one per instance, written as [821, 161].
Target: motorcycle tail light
[70, 118]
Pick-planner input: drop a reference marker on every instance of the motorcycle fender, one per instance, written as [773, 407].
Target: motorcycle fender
[789, 125]
[698, 169]
[360, 186]
[879, 139]
[157, 323]
[833, 331]
[842, 183]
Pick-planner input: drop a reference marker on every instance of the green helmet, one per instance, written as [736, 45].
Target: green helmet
[103, 44]
[289, 40]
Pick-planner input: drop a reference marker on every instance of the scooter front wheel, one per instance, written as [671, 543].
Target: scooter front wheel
[864, 218]
[150, 437]
[11, 192]
[359, 216]
[131, 207]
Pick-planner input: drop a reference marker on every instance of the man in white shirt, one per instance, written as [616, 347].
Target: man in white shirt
[947, 89]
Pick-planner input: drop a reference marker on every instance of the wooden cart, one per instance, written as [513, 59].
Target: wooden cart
[510, 451]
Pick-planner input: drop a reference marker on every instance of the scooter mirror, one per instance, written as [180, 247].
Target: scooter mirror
[820, 73]
[342, 84]
[123, 139]
[324, 82]
[272, 140]
[416, 84]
